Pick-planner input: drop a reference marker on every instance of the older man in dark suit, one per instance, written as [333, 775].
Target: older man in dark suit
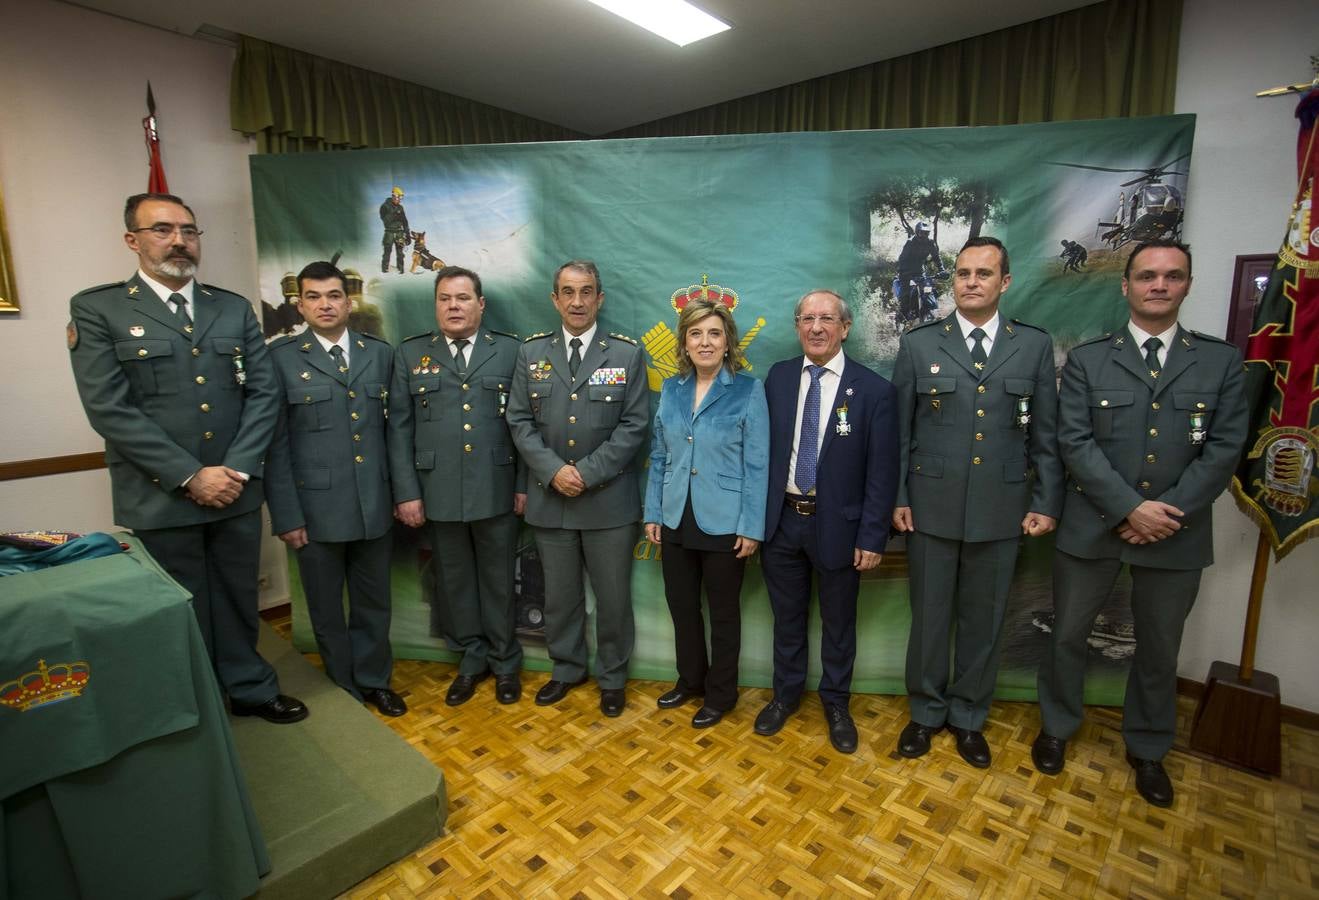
[1151, 425]
[824, 522]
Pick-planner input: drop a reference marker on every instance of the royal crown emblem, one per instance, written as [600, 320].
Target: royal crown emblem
[661, 342]
[48, 684]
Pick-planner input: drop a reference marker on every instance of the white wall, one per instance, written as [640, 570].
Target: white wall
[1243, 178]
[71, 150]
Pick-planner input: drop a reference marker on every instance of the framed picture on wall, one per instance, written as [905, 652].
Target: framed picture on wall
[8, 284]
[1248, 283]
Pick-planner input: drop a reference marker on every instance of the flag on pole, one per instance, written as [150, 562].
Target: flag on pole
[1276, 483]
[156, 176]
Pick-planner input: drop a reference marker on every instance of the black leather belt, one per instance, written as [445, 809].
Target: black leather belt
[802, 506]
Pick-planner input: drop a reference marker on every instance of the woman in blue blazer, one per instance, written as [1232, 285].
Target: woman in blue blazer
[705, 501]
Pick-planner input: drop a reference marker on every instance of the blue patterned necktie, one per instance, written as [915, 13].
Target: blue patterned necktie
[808, 442]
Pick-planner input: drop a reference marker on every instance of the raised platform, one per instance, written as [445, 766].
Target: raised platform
[339, 795]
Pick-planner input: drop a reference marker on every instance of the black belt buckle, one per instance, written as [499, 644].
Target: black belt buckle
[802, 506]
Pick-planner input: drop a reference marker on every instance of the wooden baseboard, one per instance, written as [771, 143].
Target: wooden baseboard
[51, 465]
[1301, 718]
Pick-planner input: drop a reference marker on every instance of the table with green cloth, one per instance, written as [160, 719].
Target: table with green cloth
[118, 775]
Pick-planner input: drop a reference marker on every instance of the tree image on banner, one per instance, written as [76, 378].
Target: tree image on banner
[1276, 484]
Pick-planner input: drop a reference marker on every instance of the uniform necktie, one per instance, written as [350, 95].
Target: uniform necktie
[1152, 356]
[978, 355]
[808, 441]
[575, 358]
[460, 358]
[180, 307]
[337, 352]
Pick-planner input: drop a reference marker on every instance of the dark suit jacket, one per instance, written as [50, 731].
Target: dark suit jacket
[166, 399]
[1126, 438]
[857, 473]
[328, 470]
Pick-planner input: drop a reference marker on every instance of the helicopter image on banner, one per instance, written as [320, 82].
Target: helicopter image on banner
[1153, 210]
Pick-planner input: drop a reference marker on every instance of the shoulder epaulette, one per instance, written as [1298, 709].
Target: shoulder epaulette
[507, 334]
[927, 325]
[207, 288]
[374, 337]
[1099, 338]
[282, 340]
[1030, 325]
[1210, 337]
[101, 287]
[536, 336]
[413, 337]
[623, 337]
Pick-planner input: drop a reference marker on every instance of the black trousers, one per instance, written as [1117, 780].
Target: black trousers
[720, 571]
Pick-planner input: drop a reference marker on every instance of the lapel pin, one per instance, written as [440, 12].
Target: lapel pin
[132, 290]
[305, 376]
[934, 368]
[136, 330]
[848, 392]
[306, 346]
[360, 344]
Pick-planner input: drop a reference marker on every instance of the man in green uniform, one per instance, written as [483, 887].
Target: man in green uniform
[1151, 425]
[978, 417]
[578, 413]
[328, 483]
[396, 236]
[456, 471]
[175, 376]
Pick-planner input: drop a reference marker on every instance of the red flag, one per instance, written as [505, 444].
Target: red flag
[1277, 484]
[156, 178]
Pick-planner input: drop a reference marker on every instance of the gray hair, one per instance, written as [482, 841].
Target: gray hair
[581, 265]
[844, 311]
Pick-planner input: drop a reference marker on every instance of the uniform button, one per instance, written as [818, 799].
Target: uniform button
[205, 407]
[572, 462]
[1154, 405]
[306, 398]
[467, 426]
[467, 448]
[980, 389]
[200, 379]
[1144, 485]
[975, 460]
[142, 352]
[693, 470]
[501, 387]
[934, 390]
[689, 438]
[467, 407]
[572, 396]
[1151, 458]
[357, 437]
[979, 436]
[196, 351]
[571, 442]
[1154, 432]
[464, 386]
[1199, 406]
[354, 417]
[1103, 403]
[980, 413]
[353, 394]
[534, 395]
[572, 420]
[155, 480]
[208, 435]
[608, 398]
[359, 459]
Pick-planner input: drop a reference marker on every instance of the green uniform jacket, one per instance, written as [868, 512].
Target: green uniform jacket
[596, 422]
[966, 462]
[328, 469]
[167, 401]
[448, 439]
[1127, 437]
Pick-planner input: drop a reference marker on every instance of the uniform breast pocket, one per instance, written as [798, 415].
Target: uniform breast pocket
[494, 394]
[1107, 411]
[309, 408]
[1021, 400]
[150, 365]
[425, 398]
[538, 395]
[1196, 411]
[377, 395]
[606, 404]
[934, 400]
[230, 350]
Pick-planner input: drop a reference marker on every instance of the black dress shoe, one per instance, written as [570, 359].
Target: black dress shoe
[385, 700]
[462, 688]
[1049, 753]
[914, 742]
[552, 692]
[279, 709]
[972, 746]
[612, 701]
[705, 717]
[508, 688]
[842, 731]
[771, 718]
[674, 698]
[1152, 781]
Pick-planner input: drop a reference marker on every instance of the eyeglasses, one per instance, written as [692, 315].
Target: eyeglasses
[162, 232]
[822, 321]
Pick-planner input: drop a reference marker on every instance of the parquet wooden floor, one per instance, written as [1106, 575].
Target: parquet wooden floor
[562, 802]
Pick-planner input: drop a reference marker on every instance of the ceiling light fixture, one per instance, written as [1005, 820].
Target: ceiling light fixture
[674, 20]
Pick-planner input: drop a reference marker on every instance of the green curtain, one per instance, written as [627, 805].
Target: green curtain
[294, 101]
[1117, 58]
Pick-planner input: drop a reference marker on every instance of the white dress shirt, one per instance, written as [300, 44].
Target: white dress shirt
[1141, 336]
[829, 381]
[342, 344]
[163, 292]
[990, 329]
[467, 351]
